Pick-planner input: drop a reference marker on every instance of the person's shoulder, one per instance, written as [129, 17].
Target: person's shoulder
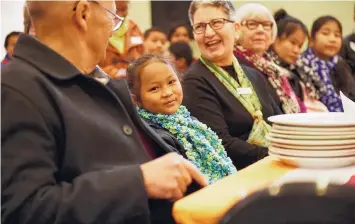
[196, 71]
[20, 75]
[350, 37]
[252, 73]
[342, 68]
[341, 62]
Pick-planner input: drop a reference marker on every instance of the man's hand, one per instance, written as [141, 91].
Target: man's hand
[169, 176]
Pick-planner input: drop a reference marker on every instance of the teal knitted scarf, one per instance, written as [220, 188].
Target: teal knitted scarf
[202, 145]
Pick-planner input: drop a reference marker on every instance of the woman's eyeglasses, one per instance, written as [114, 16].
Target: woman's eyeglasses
[253, 24]
[215, 24]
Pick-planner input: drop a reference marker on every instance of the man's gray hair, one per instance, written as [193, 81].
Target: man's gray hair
[253, 10]
[225, 5]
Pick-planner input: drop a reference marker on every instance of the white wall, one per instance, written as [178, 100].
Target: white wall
[11, 19]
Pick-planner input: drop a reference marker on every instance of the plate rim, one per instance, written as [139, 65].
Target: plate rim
[271, 139]
[271, 148]
[291, 121]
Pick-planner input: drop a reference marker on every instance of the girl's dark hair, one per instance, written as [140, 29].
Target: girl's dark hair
[134, 69]
[318, 23]
[173, 30]
[151, 30]
[182, 50]
[287, 25]
[7, 38]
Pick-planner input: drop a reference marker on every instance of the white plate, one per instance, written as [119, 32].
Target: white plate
[311, 153]
[311, 142]
[311, 147]
[311, 137]
[315, 162]
[316, 133]
[315, 119]
[313, 129]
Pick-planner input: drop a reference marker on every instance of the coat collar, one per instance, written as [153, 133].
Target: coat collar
[44, 58]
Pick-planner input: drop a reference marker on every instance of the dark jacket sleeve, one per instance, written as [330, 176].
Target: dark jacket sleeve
[202, 103]
[343, 80]
[32, 191]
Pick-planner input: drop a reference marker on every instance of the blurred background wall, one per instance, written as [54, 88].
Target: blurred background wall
[141, 12]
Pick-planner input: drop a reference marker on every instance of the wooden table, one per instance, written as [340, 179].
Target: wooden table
[211, 203]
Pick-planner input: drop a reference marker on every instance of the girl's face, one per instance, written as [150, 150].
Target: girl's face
[327, 41]
[289, 48]
[160, 89]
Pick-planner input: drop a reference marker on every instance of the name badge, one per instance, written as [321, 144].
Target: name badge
[244, 91]
[136, 40]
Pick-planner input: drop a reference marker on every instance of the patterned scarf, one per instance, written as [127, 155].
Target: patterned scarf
[313, 84]
[330, 98]
[276, 76]
[250, 102]
[202, 145]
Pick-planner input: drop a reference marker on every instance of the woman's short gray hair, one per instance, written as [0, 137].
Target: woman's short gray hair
[225, 5]
[253, 10]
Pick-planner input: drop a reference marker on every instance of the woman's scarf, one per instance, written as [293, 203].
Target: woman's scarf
[250, 101]
[202, 145]
[330, 98]
[277, 77]
[313, 84]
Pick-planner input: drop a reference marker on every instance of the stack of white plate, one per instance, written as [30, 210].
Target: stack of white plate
[318, 140]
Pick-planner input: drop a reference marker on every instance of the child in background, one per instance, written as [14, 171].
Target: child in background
[181, 54]
[10, 42]
[322, 57]
[155, 41]
[157, 91]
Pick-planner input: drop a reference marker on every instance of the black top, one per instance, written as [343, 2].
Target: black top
[348, 51]
[70, 150]
[210, 102]
[343, 80]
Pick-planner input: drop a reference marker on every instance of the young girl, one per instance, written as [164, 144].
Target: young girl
[157, 91]
[286, 52]
[322, 57]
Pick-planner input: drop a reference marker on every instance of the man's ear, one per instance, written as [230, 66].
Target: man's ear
[82, 12]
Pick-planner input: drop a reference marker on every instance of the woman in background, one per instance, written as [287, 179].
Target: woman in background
[233, 99]
[180, 33]
[322, 57]
[183, 33]
[286, 51]
[258, 30]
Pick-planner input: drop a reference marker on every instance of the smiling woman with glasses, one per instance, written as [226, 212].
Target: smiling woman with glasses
[257, 32]
[232, 99]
